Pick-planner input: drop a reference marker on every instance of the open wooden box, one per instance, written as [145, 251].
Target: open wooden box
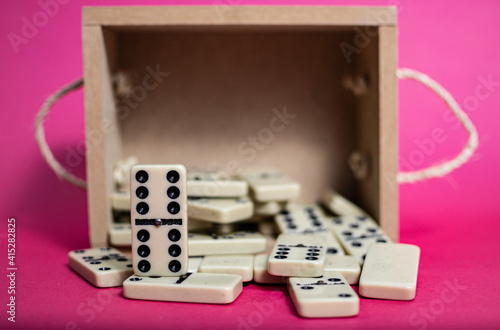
[233, 75]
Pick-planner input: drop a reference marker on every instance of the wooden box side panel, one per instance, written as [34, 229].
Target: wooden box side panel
[239, 15]
[103, 146]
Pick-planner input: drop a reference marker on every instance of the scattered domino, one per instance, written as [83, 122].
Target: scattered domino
[120, 200]
[212, 183]
[297, 255]
[268, 208]
[357, 233]
[120, 234]
[340, 205]
[300, 219]
[390, 272]
[159, 220]
[348, 266]
[235, 243]
[220, 210]
[191, 287]
[194, 264]
[241, 265]
[327, 296]
[260, 273]
[271, 185]
[103, 267]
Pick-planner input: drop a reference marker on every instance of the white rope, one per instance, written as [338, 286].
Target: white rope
[402, 177]
[466, 153]
[40, 134]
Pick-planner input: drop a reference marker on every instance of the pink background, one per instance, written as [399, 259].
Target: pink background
[455, 220]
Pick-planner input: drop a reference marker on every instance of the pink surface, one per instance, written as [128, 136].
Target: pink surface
[454, 220]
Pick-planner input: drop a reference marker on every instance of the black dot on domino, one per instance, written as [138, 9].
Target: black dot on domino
[87, 257]
[356, 244]
[104, 268]
[79, 251]
[354, 225]
[135, 279]
[122, 259]
[174, 235]
[174, 266]
[371, 230]
[143, 235]
[332, 251]
[337, 221]
[173, 192]
[141, 176]
[284, 249]
[142, 192]
[344, 295]
[154, 276]
[292, 226]
[173, 176]
[334, 279]
[143, 251]
[142, 208]
[347, 233]
[381, 240]
[280, 257]
[173, 208]
[282, 253]
[312, 254]
[311, 258]
[144, 266]
[95, 262]
[313, 250]
[174, 250]
[307, 287]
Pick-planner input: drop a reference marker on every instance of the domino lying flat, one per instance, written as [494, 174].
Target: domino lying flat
[268, 208]
[235, 243]
[260, 273]
[390, 272]
[348, 266]
[357, 233]
[220, 210]
[326, 296]
[120, 200]
[119, 234]
[103, 267]
[340, 205]
[159, 220]
[194, 264]
[300, 219]
[241, 265]
[271, 185]
[212, 183]
[191, 287]
[297, 255]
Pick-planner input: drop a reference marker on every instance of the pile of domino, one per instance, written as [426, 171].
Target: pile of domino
[196, 236]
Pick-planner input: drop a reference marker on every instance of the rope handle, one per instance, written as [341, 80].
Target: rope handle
[402, 177]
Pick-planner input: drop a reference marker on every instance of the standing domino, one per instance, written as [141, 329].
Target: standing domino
[159, 220]
[103, 267]
[297, 255]
[327, 296]
[390, 272]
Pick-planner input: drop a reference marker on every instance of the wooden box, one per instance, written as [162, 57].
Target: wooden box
[245, 87]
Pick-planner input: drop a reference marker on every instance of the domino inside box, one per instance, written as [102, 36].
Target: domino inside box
[244, 87]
